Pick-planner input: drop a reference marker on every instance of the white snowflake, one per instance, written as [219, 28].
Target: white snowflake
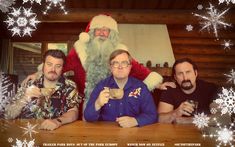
[227, 44]
[227, 1]
[201, 120]
[223, 134]
[55, 3]
[189, 28]
[199, 7]
[29, 129]
[10, 140]
[24, 143]
[226, 101]
[7, 91]
[32, 1]
[5, 5]
[231, 76]
[22, 21]
[213, 20]
[213, 110]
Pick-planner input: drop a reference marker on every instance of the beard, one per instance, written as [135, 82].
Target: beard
[186, 85]
[97, 62]
[99, 49]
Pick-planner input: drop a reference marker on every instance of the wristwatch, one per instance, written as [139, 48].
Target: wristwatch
[59, 120]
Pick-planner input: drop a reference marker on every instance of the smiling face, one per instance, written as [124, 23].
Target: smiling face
[52, 68]
[185, 76]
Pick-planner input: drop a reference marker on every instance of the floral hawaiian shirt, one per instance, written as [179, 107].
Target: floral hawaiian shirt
[53, 103]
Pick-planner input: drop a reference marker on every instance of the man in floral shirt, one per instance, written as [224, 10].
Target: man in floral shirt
[121, 98]
[51, 97]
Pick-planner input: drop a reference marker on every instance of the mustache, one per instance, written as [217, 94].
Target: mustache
[52, 72]
[185, 81]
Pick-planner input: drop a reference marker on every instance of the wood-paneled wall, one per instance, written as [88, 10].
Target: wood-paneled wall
[203, 48]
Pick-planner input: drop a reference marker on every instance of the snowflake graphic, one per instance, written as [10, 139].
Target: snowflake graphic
[10, 140]
[32, 1]
[7, 90]
[29, 129]
[213, 110]
[22, 21]
[55, 3]
[226, 101]
[227, 1]
[227, 44]
[189, 28]
[231, 76]
[201, 120]
[213, 20]
[223, 134]
[199, 7]
[24, 143]
[5, 5]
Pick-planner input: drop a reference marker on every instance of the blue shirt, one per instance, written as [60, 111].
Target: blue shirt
[137, 102]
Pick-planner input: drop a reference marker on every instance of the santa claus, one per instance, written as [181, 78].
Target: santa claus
[89, 57]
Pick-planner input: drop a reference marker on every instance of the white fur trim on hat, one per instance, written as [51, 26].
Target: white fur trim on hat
[100, 21]
[122, 46]
[84, 37]
[152, 80]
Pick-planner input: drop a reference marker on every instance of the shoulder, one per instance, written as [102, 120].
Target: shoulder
[137, 83]
[206, 85]
[70, 83]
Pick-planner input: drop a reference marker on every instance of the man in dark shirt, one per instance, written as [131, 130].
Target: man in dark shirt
[190, 95]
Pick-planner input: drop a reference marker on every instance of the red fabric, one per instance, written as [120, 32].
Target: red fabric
[139, 71]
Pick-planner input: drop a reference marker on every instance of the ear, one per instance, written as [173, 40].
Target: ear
[196, 73]
[175, 77]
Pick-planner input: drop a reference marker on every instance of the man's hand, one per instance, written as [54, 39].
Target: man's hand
[28, 78]
[127, 122]
[31, 92]
[50, 124]
[185, 108]
[164, 85]
[102, 99]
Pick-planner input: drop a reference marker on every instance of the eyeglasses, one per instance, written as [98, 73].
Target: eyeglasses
[123, 64]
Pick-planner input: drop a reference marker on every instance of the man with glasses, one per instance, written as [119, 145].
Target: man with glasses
[120, 97]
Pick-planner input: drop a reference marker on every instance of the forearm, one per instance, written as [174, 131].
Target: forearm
[90, 113]
[69, 116]
[168, 117]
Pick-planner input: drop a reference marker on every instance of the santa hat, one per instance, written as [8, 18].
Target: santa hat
[99, 21]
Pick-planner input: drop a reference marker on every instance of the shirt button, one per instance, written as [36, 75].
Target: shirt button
[121, 103]
[109, 105]
[120, 114]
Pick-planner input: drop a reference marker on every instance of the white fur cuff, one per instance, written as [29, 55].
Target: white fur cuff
[152, 80]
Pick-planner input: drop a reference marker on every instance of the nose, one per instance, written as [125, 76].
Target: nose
[185, 77]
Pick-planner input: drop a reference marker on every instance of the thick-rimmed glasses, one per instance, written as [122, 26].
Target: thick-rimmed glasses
[122, 64]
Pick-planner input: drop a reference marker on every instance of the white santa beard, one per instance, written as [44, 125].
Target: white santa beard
[96, 64]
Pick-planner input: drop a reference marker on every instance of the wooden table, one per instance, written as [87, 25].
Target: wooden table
[82, 133]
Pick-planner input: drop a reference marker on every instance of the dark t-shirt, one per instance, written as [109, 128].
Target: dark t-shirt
[204, 94]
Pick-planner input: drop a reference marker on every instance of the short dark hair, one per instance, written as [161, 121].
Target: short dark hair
[118, 52]
[56, 54]
[182, 60]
